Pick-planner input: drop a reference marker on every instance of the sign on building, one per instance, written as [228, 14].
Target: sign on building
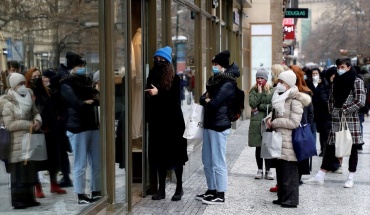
[296, 13]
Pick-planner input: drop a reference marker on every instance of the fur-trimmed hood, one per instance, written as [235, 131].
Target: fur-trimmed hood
[303, 97]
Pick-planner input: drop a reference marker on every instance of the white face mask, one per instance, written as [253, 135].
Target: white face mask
[315, 78]
[22, 90]
[280, 88]
[341, 71]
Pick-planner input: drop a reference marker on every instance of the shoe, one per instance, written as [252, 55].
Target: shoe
[274, 189]
[33, 204]
[276, 202]
[208, 193]
[314, 180]
[95, 195]
[54, 188]
[20, 206]
[359, 147]
[349, 183]
[39, 193]
[259, 174]
[217, 199]
[321, 154]
[288, 206]
[177, 196]
[83, 199]
[300, 182]
[65, 182]
[339, 170]
[161, 194]
[269, 175]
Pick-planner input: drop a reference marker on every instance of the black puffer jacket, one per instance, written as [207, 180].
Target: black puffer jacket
[220, 89]
[75, 89]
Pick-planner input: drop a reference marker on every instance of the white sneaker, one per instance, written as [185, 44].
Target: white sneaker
[259, 174]
[314, 180]
[349, 183]
[269, 175]
[339, 170]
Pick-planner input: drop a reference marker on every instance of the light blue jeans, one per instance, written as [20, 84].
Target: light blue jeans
[86, 149]
[214, 159]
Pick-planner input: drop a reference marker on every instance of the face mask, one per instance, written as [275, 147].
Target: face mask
[262, 83]
[315, 78]
[22, 90]
[341, 71]
[36, 82]
[215, 70]
[280, 88]
[305, 77]
[81, 71]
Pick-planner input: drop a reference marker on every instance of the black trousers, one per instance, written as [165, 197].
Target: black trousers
[288, 182]
[23, 179]
[259, 160]
[331, 163]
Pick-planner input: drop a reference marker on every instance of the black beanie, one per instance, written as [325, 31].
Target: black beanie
[49, 73]
[222, 59]
[74, 59]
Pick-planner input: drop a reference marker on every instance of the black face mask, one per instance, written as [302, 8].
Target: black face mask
[36, 82]
[159, 62]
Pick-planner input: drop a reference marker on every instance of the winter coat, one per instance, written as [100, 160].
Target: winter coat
[350, 108]
[262, 101]
[290, 120]
[75, 90]
[167, 147]
[220, 92]
[18, 125]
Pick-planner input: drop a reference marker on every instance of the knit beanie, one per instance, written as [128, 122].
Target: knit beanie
[96, 77]
[262, 73]
[15, 79]
[222, 58]
[49, 73]
[165, 53]
[288, 77]
[74, 59]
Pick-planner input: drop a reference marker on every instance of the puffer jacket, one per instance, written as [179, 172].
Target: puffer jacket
[17, 124]
[261, 101]
[216, 110]
[290, 120]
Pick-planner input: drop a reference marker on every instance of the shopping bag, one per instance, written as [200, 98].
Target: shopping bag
[272, 142]
[304, 144]
[34, 147]
[343, 139]
[4, 143]
[194, 124]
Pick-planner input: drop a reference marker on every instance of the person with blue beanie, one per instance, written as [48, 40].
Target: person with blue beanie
[167, 149]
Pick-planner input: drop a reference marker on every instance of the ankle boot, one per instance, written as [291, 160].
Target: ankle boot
[54, 188]
[178, 194]
[39, 192]
[161, 194]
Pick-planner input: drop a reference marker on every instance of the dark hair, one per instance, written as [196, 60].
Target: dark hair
[13, 63]
[167, 77]
[343, 60]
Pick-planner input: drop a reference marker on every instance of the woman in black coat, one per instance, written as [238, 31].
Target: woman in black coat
[167, 147]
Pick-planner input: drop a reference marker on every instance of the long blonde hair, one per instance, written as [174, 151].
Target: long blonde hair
[276, 69]
[266, 89]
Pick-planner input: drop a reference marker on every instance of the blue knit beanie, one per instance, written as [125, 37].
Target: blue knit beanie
[164, 52]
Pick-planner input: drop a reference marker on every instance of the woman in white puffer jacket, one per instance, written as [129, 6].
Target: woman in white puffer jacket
[288, 104]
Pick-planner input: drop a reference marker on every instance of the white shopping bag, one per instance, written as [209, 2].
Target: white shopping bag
[194, 124]
[343, 140]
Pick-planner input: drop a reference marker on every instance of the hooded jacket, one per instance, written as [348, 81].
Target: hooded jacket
[216, 110]
[290, 120]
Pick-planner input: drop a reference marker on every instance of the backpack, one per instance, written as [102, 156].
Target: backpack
[236, 105]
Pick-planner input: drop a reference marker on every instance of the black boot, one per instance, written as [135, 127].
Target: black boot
[161, 194]
[65, 182]
[178, 194]
[179, 191]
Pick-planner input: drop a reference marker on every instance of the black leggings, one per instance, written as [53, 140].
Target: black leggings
[259, 160]
[162, 173]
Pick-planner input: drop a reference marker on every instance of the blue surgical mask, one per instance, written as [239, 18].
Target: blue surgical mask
[81, 71]
[215, 70]
[305, 77]
[341, 71]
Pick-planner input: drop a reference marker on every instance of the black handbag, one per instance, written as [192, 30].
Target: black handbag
[5, 143]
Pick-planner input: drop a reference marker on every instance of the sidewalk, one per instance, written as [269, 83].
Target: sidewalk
[247, 195]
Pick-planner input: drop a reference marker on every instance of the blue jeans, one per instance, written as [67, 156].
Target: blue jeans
[86, 149]
[214, 159]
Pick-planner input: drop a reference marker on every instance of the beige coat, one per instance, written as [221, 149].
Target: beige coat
[291, 119]
[17, 125]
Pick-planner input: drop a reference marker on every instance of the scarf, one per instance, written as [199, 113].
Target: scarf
[343, 85]
[278, 100]
[215, 80]
[25, 103]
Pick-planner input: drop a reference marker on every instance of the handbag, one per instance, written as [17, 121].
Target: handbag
[272, 142]
[34, 147]
[343, 139]
[194, 124]
[5, 143]
[304, 144]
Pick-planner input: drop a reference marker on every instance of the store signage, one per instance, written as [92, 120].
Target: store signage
[296, 13]
[289, 32]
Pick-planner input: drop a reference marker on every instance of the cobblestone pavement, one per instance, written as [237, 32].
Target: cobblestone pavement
[247, 195]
